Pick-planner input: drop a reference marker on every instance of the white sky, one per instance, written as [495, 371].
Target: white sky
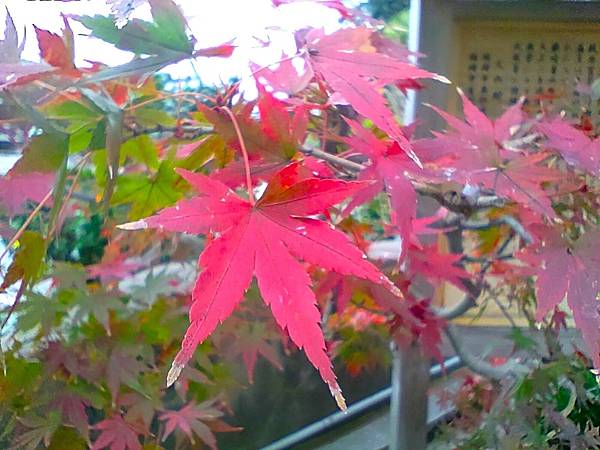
[212, 22]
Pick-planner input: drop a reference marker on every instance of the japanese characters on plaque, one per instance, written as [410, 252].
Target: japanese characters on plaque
[553, 68]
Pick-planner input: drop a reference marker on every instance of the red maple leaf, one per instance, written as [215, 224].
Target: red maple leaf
[123, 368]
[352, 67]
[341, 285]
[72, 360]
[285, 77]
[575, 146]
[195, 420]
[265, 240]
[220, 51]
[571, 270]
[422, 324]
[114, 265]
[343, 288]
[112, 269]
[481, 159]
[55, 50]
[391, 168]
[117, 434]
[271, 142]
[435, 266]
[73, 411]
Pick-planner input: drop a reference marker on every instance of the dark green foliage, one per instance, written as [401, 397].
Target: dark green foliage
[81, 240]
[386, 9]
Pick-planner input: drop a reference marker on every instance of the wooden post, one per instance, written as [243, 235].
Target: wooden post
[408, 406]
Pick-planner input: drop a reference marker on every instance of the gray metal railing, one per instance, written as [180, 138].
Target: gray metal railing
[339, 418]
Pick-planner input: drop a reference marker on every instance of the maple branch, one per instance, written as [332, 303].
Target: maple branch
[467, 302]
[473, 290]
[477, 364]
[459, 222]
[236, 125]
[334, 159]
[182, 132]
[457, 202]
[504, 312]
[451, 200]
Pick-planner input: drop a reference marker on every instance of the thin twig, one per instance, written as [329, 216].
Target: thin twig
[15, 303]
[451, 200]
[23, 227]
[504, 312]
[473, 290]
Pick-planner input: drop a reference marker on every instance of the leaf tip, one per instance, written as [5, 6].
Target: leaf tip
[336, 392]
[130, 226]
[174, 373]
[412, 155]
[441, 79]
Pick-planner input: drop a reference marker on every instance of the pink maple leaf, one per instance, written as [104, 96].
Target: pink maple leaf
[265, 240]
[116, 434]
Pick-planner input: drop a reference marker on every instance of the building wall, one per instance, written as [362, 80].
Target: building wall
[475, 43]
[442, 23]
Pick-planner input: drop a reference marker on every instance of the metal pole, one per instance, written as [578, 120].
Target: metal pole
[408, 406]
[414, 30]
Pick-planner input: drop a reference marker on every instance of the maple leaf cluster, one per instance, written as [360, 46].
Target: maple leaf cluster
[302, 217]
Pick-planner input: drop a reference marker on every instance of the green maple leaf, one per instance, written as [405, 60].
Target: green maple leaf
[147, 194]
[166, 33]
[40, 430]
[42, 311]
[141, 149]
[69, 276]
[154, 286]
[28, 261]
[95, 304]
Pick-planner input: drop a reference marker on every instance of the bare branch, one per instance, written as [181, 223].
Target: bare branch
[478, 365]
[451, 200]
[457, 202]
[183, 132]
[467, 302]
[334, 159]
[460, 223]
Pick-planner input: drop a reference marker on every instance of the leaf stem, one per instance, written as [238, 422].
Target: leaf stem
[244, 153]
[14, 304]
